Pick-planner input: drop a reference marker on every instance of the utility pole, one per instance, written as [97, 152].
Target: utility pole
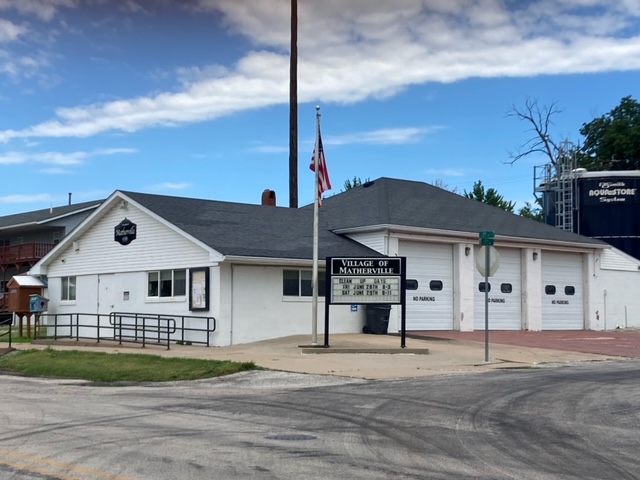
[293, 109]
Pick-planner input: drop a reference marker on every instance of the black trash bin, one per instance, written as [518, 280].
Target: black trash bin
[377, 319]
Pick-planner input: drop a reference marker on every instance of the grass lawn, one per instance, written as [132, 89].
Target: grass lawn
[117, 367]
[4, 337]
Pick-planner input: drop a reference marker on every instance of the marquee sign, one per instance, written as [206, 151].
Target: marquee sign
[366, 280]
[125, 232]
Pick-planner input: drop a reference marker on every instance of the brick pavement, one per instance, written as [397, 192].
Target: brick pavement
[621, 343]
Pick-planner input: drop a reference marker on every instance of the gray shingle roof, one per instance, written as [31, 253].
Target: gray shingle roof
[388, 201]
[250, 230]
[40, 216]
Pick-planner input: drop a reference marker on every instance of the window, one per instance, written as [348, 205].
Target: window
[435, 285]
[550, 289]
[569, 290]
[481, 287]
[68, 288]
[412, 284]
[167, 283]
[506, 288]
[56, 237]
[297, 283]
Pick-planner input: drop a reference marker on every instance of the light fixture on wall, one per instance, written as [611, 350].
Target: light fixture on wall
[124, 205]
[535, 255]
[467, 251]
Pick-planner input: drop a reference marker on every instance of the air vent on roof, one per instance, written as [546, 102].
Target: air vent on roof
[367, 184]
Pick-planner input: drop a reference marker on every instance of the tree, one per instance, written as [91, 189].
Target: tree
[540, 119]
[490, 197]
[356, 182]
[612, 141]
[440, 184]
[532, 212]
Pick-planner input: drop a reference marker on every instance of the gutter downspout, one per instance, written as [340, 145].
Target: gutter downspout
[231, 308]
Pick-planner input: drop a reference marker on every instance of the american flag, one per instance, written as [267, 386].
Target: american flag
[324, 183]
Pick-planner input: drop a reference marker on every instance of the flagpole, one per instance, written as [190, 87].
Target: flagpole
[314, 277]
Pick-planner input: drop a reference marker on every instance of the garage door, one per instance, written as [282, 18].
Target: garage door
[430, 307]
[562, 293]
[505, 298]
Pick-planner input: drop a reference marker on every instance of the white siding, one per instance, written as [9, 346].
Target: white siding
[564, 273]
[429, 308]
[156, 247]
[463, 280]
[260, 311]
[531, 289]
[375, 240]
[505, 294]
[614, 296]
[614, 259]
[126, 293]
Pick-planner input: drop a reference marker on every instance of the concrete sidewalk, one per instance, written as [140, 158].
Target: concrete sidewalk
[356, 355]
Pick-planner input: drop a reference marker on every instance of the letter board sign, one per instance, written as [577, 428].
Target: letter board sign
[366, 280]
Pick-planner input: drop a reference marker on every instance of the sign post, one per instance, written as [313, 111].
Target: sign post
[365, 280]
[487, 240]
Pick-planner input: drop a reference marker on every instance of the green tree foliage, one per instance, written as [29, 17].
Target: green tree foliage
[612, 141]
[356, 182]
[532, 212]
[490, 197]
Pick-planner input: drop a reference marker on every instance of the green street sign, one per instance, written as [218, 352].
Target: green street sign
[487, 238]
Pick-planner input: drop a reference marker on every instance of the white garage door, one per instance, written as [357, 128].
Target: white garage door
[505, 298]
[562, 292]
[430, 307]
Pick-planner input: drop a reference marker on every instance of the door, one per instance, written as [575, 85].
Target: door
[505, 294]
[106, 305]
[430, 307]
[562, 291]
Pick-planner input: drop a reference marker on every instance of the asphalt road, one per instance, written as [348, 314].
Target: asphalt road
[578, 421]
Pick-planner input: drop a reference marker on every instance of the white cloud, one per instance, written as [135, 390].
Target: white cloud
[387, 136]
[43, 9]
[447, 172]
[171, 186]
[58, 158]
[21, 65]
[27, 198]
[362, 49]
[190, 75]
[269, 149]
[46, 198]
[9, 31]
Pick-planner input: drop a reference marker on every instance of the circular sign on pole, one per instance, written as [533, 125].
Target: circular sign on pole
[494, 261]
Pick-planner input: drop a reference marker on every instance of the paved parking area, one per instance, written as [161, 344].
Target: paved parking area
[619, 343]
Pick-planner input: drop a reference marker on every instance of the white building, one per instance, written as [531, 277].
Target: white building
[249, 266]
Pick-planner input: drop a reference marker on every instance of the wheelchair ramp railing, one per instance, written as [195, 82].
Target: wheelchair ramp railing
[127, 327]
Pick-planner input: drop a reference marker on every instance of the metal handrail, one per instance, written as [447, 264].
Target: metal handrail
[131, 327]
[8, 323]
[115, 319]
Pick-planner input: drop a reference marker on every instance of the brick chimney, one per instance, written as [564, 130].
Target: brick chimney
[269, 198]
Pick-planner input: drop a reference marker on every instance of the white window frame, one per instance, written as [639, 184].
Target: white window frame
[68, 289]
[309, 273]
[161, 275]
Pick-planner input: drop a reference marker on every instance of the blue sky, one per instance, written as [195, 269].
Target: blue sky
[190, 98]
